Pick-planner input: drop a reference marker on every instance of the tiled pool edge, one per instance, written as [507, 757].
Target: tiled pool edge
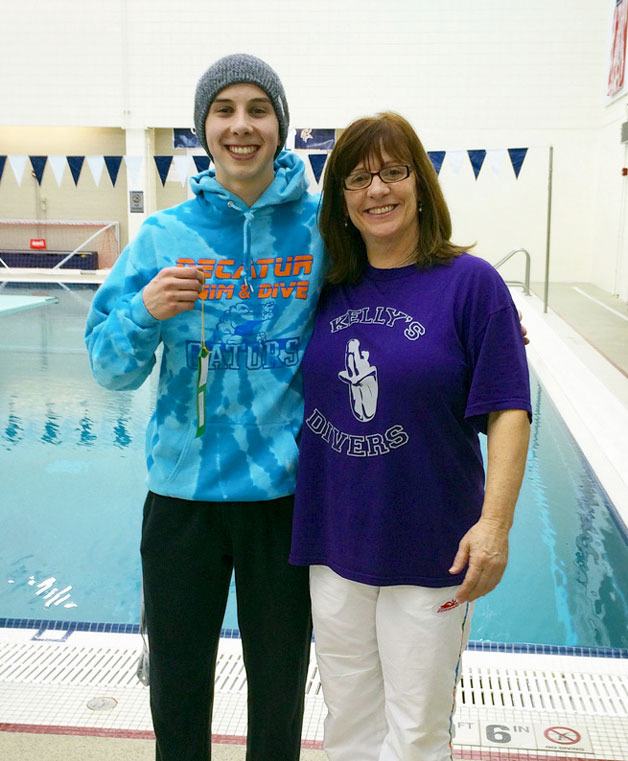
[41, 626]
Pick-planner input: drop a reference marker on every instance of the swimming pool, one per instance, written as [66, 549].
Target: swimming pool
[72, 465]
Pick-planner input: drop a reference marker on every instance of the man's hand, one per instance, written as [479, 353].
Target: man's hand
[484, 549]
[172, 291]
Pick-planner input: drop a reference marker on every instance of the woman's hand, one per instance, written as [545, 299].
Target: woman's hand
[523, 329]
[483, 550]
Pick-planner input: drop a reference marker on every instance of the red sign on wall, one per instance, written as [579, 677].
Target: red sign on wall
[38, 243]
[618, 49]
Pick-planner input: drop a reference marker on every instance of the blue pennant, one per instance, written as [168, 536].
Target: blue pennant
[477, 159]
[163, 167]
[202, 163]
[3, 161]
[113, 167]
[317, 162]
[517, 157]
[39, 164]
[437, 158]
[76, 164]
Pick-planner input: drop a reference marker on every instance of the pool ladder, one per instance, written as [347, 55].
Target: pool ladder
[526, 281]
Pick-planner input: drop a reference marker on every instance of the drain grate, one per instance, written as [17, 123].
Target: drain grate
[597, 694]
[592, 693]
[47, 663]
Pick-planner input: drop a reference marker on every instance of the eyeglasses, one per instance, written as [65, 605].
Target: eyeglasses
[389, 174]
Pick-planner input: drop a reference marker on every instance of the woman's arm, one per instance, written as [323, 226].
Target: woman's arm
[484, 548]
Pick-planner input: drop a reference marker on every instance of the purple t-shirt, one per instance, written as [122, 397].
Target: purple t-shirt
[399, 377]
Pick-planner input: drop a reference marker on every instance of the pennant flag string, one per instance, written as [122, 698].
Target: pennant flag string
[455, 159]
[163, 167]
[201, 162]
[495, 159]
[96, 165]
[134, 165]
[517, 157]
[176, 168]
[57, 164]
[437, 158]
[39, 164]
[181, 164]
[18, 165]
[317, 162]
[113, 167]
[477, 159]
[76, 164]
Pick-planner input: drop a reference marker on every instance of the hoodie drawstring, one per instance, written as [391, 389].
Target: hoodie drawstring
[247, 262]
[246, 245]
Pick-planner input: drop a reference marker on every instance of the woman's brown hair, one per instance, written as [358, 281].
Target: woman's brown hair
[364, 140]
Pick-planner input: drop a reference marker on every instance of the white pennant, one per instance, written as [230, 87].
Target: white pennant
[179, 168]
[58, 164]
[96, 165]
[455, 160]
[495, 157]
[18, 164]
[134, 170]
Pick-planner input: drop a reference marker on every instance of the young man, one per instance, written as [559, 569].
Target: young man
[227, 283]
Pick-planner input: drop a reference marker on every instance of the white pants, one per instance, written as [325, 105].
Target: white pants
[389, 661]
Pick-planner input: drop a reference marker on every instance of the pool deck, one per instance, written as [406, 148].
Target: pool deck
[509, 705]
[77, 697]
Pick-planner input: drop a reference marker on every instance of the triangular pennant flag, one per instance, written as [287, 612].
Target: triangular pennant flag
[202, 163]
[76, 164]
[180, 167]
[455, 159]
[163, 167]
[134, 166]
[96, 165]
[39, 164]
[495, 159]
[113, 167]
[18, 165]
[3, 161]
[317, 162]
[57, 164]
[476, 157]
[437, 158]
[517, 157]
[133, 170]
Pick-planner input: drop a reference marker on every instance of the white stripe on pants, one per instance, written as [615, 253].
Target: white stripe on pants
[388, 663]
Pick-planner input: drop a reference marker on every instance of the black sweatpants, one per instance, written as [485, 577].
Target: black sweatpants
[188, 552]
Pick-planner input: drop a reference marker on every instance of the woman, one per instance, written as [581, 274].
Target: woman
[416, 349]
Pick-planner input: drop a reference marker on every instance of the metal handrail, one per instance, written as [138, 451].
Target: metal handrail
[526, 283]
[80, 246]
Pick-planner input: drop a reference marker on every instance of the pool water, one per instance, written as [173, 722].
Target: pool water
[72, 490]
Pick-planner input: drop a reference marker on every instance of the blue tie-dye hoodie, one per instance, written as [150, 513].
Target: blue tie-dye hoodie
[263, 272]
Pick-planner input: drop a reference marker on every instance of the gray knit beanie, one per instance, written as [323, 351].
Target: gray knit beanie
[235, 69]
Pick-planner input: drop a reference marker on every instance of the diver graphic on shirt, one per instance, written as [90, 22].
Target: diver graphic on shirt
[361, 378]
